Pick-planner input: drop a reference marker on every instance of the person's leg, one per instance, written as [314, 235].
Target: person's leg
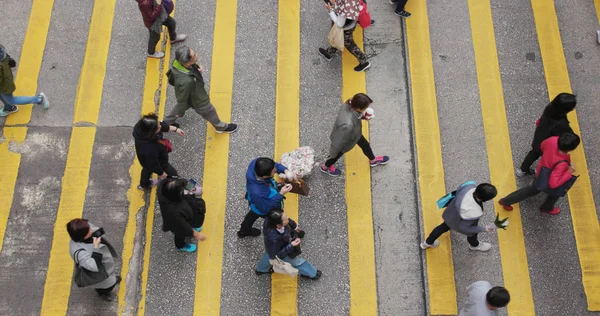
[473, 240]
[177, 112]
[172, 27]
[331, 160]
[436, 233]
[170, 170]
[352, 47]
[20, 100]
[246, 228]
[152, 41]
[531, 157]
[548, 204]
[179, 241]
[198, 219]
[363, 143]
[209, 113]
[145, 178]
[264, 265]
[400, 5]
[304, 267]
[519, 195]
[8, 100]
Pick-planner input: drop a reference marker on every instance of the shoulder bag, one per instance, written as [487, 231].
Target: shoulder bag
[84, 277]
[542, 182]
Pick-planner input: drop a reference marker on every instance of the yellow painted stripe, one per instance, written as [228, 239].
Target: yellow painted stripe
[31, 58]
[74, 185]
[284, 289]
[207, 299]
[8, 176]
[440, 267]
[510, 241]
[597, 5]
[361, 243]
[91, 81]
[151, 84]
[581, 199]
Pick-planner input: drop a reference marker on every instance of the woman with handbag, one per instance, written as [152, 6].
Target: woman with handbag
[94, 258]
[182, 212]
[554, 174]
[344, 14]
[153, 149]
[282, 243]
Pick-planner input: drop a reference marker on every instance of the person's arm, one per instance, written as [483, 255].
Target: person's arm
[467, 227]
[339, 20]
[264, 203]
[559, 175]
[280, 168]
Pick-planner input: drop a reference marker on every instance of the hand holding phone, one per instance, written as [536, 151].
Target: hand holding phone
[98, 233]
[190, 185]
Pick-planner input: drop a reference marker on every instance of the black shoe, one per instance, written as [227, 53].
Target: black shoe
[316, 277]
[325, 53]
[393, 1]
[109, 297]
[362, 67]
[254, 232]
[403, 13]
[372, 22]
[300, 234]
[261, 273]
[231, 128]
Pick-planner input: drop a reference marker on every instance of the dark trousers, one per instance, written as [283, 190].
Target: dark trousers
[527, 192]
[442, 228]
[400, 5]
[147, 173]
[108, 290]
[351, 46]
[249, 220]
[197, 221]
[155, 37]
[531, 157]
[363, 143]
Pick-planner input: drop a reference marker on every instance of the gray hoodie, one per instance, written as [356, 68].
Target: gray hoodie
[463, 213]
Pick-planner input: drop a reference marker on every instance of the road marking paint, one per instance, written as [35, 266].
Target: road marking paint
[284, 289]
[361, 241]
[31, 59]
[581, 199]
[511, 241]
[26, 82]
[147, 247]
[207, 299]
[76, 177]
[74, 186]
[93, 70]
[440, 267]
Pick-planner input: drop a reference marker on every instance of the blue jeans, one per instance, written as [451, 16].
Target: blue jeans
[304, 267]
[9, 100]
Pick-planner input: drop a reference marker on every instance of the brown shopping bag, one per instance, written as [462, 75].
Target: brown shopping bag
[299, 187]
[336, 37]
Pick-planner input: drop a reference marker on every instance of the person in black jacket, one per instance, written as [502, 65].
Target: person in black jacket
[182, 212]
[553, 122]
[282, 240]
[151, 149]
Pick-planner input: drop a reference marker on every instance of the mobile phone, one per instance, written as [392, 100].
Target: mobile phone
[190, 185]
[98, 233]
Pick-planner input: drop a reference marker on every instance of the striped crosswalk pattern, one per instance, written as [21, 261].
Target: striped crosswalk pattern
[440, 286]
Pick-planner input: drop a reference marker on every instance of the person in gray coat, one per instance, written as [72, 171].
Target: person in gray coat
[93, 252]
[347, 132]
[186, 77]
[462, 214]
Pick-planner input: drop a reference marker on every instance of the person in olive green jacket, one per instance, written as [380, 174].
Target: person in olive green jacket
[186, 76]
[7, 87]
[347, 132]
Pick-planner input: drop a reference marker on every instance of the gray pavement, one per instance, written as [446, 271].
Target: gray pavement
[552, 255]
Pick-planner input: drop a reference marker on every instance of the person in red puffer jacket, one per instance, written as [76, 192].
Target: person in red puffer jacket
[554, 150]
[155, 16]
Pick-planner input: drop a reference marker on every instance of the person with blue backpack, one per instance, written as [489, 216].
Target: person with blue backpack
[262, 192]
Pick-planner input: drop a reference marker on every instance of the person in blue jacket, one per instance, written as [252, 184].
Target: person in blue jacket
[262, 193]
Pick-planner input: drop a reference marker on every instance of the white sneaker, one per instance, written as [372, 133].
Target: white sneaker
[425, 245]
[157, 55]
[598, 34]
[483, 246]
[178, 38]
[45, 103]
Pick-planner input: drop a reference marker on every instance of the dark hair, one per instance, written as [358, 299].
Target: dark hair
[497, 297]
[486, 192]
[562, 104]
[264, 166]
[78, 228]
[172, 188]
[360, 101]
[568, 142]
[149, 124]
[274, 217]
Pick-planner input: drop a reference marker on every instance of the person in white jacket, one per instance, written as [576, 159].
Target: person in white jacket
[344, 13]
[484, 300]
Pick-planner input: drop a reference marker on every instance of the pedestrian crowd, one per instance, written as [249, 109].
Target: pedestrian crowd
[183, 209]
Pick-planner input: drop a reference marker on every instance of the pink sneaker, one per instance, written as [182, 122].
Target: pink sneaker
[332, 171]
[379, 160]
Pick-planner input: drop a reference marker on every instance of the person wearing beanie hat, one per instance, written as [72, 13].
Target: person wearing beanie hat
[7, 87]
[553, 122]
